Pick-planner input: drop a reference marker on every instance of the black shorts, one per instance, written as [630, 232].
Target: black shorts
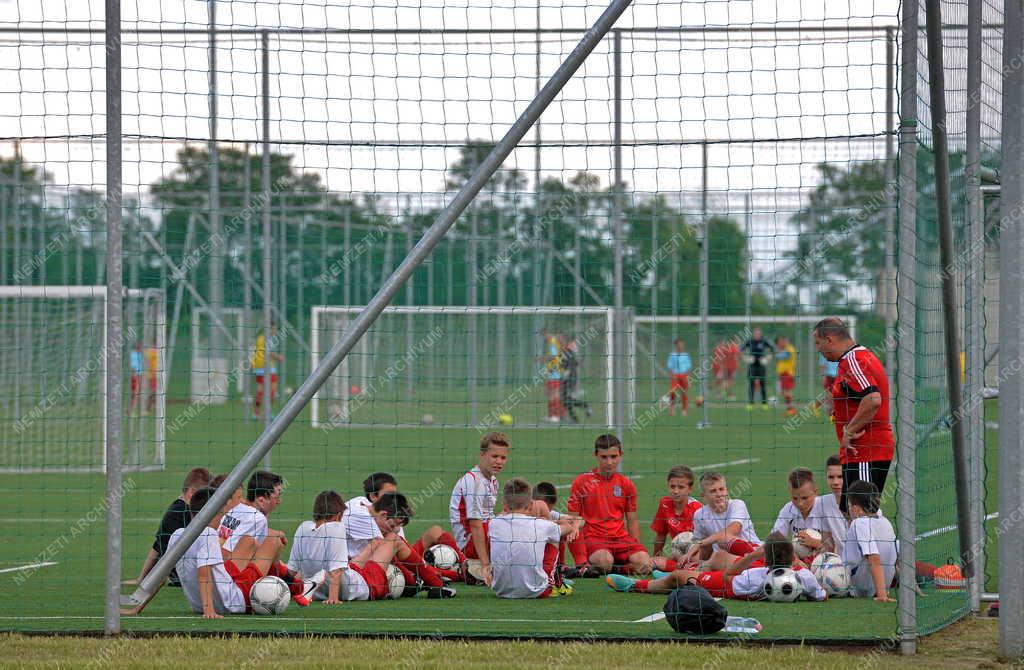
[756, 371]
[872, 471]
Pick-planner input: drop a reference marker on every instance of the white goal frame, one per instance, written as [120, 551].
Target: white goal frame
[318, 348]
[160, 406]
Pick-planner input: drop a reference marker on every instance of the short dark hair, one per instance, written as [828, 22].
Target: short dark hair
[800, 476]
[864, 495]
[373, 483]
[517, 493]
[200, 498]
[395, 505]
[833, 460]
[711, 476]
[680, 472]
[218, 480]
[262, 483]
[778, 551]
[327, 504]
[678, 340]
[832, 326]
[546, 492]
[196, 478]
[493, 438]
[606, 441]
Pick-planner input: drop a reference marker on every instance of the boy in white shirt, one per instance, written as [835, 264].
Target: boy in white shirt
[870, 548]
[832, 517]
[524, 547]
[803, 513]
[722, 529]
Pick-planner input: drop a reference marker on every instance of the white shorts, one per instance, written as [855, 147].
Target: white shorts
[353, 587]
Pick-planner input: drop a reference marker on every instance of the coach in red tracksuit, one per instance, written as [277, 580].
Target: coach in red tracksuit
[860, 405]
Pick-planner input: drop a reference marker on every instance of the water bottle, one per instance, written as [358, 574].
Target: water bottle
[742, 625]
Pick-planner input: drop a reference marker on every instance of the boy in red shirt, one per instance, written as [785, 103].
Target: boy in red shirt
[676, 510]
[606, 500]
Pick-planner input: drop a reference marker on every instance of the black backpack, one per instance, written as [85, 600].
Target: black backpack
[691, 609]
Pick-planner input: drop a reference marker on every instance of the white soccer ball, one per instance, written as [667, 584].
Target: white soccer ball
[665, 401]
[804, 551]
[427, 420]
[288, 390]
[782, 586]
[681, 544]
[396, 582]
[269, 595]
[832, 574]
[441, 556]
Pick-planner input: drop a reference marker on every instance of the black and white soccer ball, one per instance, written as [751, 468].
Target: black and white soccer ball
[832, 574]
[269, 595]
[441, 556]
[681, 544]
[396, 582]
[782, 586]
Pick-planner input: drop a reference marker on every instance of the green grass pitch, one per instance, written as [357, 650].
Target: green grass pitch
[59, 518]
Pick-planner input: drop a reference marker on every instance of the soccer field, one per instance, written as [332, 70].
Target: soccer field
[54, 524]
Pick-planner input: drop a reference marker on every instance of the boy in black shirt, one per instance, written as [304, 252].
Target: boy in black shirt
[758, 352]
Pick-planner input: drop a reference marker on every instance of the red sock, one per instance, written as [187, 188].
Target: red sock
[578, 549]
[561, 551]
[641, 585]
[671, 564]
[418, 547]
[410, 579]
[740, 547]
[280, 570]
[446, 538]
[414, 561]
[550, 559]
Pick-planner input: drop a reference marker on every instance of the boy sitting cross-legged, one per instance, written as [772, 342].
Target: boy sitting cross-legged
[524, 547]
[805, 512]
[722, 530]
[742, 580]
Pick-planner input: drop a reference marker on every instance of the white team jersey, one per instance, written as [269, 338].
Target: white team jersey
[833, 519]
[791, 521]
[750, 582]
[227, 597]
[325, 548]
[554, 515]
[360, 526]
[707, 522]
[517, 554]
[869, 535]
[361, 502]
[243, 519]
[473, 497]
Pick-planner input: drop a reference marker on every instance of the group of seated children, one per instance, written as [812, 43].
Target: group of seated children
[344, 551]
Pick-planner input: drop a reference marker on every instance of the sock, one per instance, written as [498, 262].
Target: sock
[448, 539]
[414, 561]
[550, 558]
[739, 547]
[670, 565]
[641, 585]
[578, 549]
[410, 579]
[280, 570]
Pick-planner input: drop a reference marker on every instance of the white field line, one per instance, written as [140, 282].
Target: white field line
[710, 466]
[651, 618]
[30, 566]
[948, 529]
[277, 620]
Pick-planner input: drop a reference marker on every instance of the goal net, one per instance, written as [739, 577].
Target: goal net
[53, 372]
[466, 366]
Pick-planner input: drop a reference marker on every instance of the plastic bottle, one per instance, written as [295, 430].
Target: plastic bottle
[742, 625]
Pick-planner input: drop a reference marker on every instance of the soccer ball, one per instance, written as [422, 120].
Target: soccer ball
[288, 390]
[665, 401]
[396, 582]
[441, 556]
[832, 574]
[801, 550]
[269, 595]
[782, 586]
[681, 544]
[699, 402]
[505, 419]
[427, 420]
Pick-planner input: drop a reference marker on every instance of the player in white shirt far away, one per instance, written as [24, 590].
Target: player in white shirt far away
[870, 548]
[524, 547]
[215, 585]
[804, 512]
[722, 529]
[473, 499]
[833, 517]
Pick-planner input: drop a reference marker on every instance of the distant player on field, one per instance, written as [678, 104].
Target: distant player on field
[152, 370]
[676, 510]
[137, 365]
[606, 500]
[860, 404]
[757, 351]
[473, 499]
[570, 384]
[829, 370]
[264, 365]
[785, 369]
[724, 363]
[552, 362]
[679, 365]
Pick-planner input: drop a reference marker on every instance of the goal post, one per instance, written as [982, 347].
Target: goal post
[52, 382]
[462, 365]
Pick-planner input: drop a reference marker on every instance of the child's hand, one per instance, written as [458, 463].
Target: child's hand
[808, 541]
[332, 601]
[211, 614]
[883, 597]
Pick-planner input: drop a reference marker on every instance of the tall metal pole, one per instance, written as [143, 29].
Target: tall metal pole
[937, 87]
[1011, 339]
[704, 242]
[888, 294]
[538, 204]
[471, 330]
[749, 255]
[247, 286]
[358, 326]
[268, 234]
[410, 300]
[618, 361]
[974, 275]
[113, 316]
[218, 248]
[906, 476]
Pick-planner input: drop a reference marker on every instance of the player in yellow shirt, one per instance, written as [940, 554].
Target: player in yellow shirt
[152, 369]
[785, 368]
[259, 368]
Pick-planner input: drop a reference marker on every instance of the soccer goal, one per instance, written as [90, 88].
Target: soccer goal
[654, 336]
[212, 369]
[463, 366]
[53, 375]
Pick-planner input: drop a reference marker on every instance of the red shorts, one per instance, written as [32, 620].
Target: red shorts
[244, 579]
[375, 578]
[135, 383]
[470, 549]
[621, 548]
[273, 378]
[679, 382]
[553, 383]
[716, 584]
[786, 381]
[152, 384]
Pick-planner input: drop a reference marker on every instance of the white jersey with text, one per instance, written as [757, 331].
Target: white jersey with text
[473, 497]
[243, 519]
